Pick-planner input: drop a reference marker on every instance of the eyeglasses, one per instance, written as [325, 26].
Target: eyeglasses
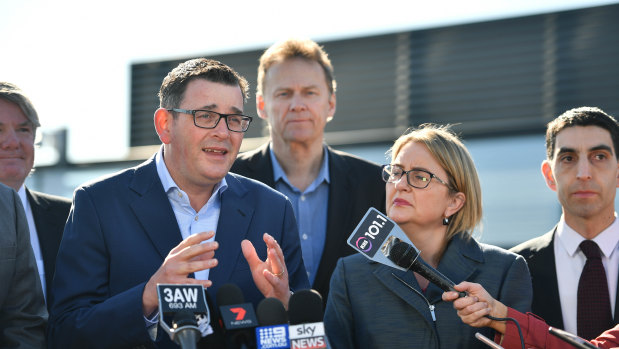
[416, 178]
[210, 119]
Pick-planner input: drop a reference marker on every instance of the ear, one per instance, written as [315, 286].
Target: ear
[549, 177]
[617, 174]
[260, 107]
[456, 202]
[332, 103]
[163, 121]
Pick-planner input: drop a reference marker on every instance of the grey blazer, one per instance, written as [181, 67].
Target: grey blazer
[369, 308]
[23, 315]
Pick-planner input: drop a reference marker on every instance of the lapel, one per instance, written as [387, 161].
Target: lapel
[413, 298]
[617, 304]
[543, 270]
[152, 208]
[49, 239]
[236, 213]
[260, 165]
[339, 212]
[461, 260]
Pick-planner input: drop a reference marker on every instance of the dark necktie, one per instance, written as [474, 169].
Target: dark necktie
[593, 314]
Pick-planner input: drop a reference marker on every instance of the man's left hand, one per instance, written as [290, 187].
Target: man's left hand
[270, 276]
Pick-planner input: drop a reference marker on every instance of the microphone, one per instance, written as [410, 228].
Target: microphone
[273, 320]
[186, 330]
[487, 341]
[185, 304]
[306, 327]
[407, 256]
[570, 338]
[238, 317]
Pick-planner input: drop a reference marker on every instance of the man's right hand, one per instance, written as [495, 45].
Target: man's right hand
[189, 256]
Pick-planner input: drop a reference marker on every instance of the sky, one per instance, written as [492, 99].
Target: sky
[73, 57]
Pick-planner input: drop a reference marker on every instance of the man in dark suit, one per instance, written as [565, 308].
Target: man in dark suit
[22, 307]
[178, 218]
[330, 190]
[46, 214]
[582, 167]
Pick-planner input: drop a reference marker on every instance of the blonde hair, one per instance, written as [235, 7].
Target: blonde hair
[454, 158]
[295, 48]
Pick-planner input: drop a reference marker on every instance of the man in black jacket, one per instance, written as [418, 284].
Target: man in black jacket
[330, 190]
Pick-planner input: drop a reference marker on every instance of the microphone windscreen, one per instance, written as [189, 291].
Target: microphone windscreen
[305, 306]
[403, 254]
[229, 294]
[271, 312]
[184, 318]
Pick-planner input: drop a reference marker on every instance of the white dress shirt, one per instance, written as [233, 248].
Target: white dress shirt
[570, 261]
[34, 238]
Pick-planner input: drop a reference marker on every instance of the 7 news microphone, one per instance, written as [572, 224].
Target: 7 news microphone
[239, 318]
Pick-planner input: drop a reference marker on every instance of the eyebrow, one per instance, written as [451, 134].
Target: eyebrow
[414, 168]
[25, 123]
[214, 106]
[564, 150]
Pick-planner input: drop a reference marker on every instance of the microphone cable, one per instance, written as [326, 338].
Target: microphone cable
[509, 319]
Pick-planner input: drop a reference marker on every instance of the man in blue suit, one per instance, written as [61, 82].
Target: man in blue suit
[179, 218]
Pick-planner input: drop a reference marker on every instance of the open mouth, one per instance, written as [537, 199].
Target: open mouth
[216, 151]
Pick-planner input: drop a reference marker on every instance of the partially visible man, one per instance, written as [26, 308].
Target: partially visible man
[330, 190]
[582, 249]
[22, 307]
[178, 218]
[46, 214]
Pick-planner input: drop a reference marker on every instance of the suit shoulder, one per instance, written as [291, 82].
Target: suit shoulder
[494, 254]
[534, 245]
[51, 199]
[109, 181]
[354, 161]
[254, 185]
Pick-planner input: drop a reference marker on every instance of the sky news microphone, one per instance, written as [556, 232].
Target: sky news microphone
[273, 320]
[238, 317]
[407, 256]
[306, 328]
[185, 304]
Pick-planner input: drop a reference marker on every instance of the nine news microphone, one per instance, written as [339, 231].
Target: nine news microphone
[273, 320]
[407, 256]
[238, 317]
[306, 328]
[184, 303]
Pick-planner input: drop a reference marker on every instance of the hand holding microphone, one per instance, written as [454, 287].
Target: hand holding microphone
[475, 309]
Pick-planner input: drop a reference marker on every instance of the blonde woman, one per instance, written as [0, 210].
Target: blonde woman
[434, 195]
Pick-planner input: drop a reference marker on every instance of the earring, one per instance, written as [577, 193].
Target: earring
[446, 221]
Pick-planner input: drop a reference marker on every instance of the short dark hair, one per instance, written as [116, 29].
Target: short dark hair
[582, 116]
[10, 92]
[175, 83]
[295, 48]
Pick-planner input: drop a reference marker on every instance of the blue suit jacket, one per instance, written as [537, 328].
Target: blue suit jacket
[118, 233]
[369, 308]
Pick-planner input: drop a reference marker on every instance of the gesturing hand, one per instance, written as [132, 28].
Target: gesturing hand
[189, 256]
[270, 276]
